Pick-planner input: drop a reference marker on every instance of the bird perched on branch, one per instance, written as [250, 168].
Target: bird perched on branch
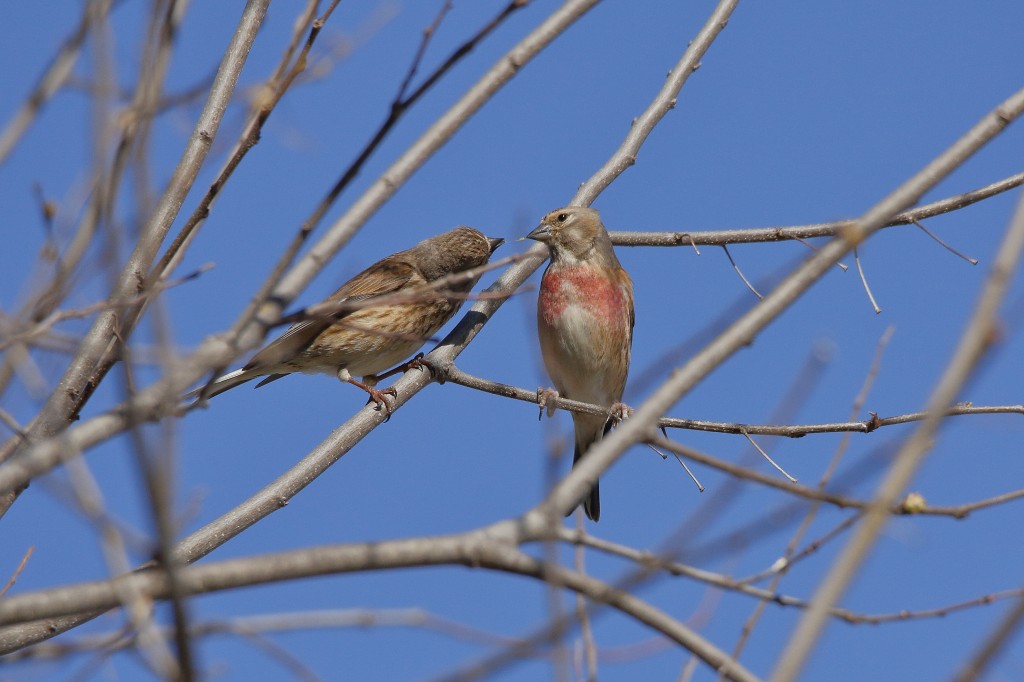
[363, 341]
[585, 322]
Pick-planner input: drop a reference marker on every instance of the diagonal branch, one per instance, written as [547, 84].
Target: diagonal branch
[976, 339]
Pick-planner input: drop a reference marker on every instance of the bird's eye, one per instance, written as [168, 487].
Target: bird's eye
[562, 217]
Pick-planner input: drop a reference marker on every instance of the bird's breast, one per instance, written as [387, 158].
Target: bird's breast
[567, 293]
[584, 325]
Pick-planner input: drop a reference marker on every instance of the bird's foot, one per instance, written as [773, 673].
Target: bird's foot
[376, 395]
[420, 362]
[619, 412]
[380, 397]
[546, 398]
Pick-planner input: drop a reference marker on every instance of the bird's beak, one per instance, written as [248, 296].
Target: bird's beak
[495, 243]
[542, 233]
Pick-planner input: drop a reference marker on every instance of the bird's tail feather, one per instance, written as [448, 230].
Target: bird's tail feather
[224, 383]
[592, 501]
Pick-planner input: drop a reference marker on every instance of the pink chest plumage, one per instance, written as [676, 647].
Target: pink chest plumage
[584, 322]
[586, 289]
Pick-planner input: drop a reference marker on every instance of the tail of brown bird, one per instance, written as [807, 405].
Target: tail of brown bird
[592, 501]
[229, 381]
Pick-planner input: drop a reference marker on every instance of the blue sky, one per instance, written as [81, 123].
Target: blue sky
[800, 113]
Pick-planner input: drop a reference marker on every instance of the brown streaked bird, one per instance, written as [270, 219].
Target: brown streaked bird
[367, 341]
[585, 322]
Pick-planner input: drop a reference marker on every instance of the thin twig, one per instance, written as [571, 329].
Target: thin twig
[840, 501]
[739, 272]
[769, 459]
[864, 281]
[972, 261]
[700, 486]
[428, 33]
[812, 247]
[791, 557]
[10, 422]
[298, 621]
[17, 571]
[583, 616]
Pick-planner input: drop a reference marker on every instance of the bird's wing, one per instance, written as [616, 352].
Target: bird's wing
[384, 277]
[626, 283]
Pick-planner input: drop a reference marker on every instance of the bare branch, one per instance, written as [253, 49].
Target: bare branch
[17, 571]
[803, 232]
[769, 459]
[740, 272]
[457, 376]
[972, 261]
[864, 282]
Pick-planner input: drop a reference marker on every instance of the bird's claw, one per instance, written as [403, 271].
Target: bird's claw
[546, 398]
[420, 362]
[380, 397]
[619, 412]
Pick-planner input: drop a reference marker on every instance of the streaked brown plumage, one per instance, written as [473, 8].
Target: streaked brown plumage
[367, 341]
[585, 322]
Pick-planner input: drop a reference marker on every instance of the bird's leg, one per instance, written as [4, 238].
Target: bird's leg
[546, 398]
[367, 384]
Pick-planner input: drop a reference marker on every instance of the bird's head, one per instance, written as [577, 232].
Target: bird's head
[572, 233]
[457, 250]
